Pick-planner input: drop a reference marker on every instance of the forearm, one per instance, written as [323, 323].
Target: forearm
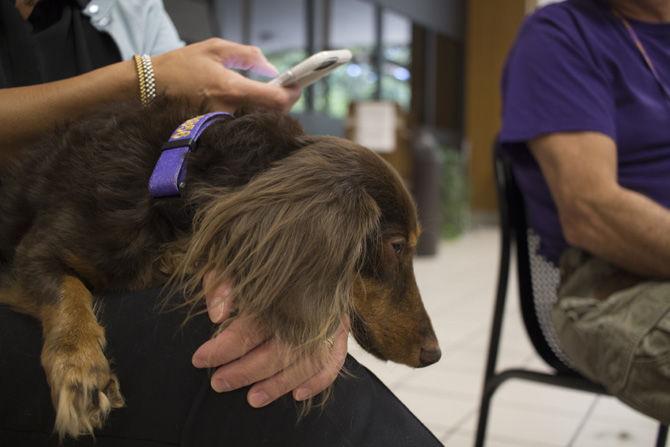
[28, 112]
[201, 72]
[598, 215]
[629, 230]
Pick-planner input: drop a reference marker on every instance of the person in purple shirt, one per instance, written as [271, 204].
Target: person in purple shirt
[586, 122]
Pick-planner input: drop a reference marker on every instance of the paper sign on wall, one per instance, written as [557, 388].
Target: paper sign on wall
[375, 126]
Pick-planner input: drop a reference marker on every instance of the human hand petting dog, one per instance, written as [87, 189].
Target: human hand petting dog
[243, 355]
[205, 71]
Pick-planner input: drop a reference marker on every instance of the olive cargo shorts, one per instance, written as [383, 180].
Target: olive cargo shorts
[615, 329]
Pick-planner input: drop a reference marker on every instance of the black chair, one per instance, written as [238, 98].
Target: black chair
[537, 292]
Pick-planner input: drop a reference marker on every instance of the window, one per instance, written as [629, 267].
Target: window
[397, 38]
[279, 28]
[352, 27]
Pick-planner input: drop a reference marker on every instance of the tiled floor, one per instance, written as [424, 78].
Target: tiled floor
[457, 288]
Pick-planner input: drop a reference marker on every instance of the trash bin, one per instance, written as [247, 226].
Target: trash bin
[426, 186]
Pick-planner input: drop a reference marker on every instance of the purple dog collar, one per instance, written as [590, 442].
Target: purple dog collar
[169, 173]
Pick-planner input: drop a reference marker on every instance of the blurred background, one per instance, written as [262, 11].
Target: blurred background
[423, 91]
[409, 56]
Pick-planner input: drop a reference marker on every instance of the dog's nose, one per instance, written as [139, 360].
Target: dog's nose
[430, 350]
[429, 356]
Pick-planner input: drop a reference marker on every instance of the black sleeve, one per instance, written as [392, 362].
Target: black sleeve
[170, 403]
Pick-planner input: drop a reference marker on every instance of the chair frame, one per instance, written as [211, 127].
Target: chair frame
[514, 233]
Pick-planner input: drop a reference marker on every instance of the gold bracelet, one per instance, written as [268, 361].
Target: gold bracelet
[145, 75]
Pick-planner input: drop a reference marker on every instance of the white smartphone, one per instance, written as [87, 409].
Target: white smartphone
[313, 68]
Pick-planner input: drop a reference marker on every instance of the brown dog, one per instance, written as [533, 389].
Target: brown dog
[306, 229]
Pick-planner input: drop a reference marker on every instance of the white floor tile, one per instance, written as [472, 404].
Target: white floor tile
[610, 410]
[529, 425]
[463, 438]
[543, 398]
[614, 424]
[460, 374]
[461, 360]
[465, 386]
[602, 434]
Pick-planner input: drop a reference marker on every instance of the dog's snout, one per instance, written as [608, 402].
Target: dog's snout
[428, 357]
[430, 352]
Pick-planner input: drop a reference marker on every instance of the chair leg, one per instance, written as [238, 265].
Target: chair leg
[482, 423]
[662, 435]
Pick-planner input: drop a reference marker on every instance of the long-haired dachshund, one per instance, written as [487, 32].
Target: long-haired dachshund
[307, 230]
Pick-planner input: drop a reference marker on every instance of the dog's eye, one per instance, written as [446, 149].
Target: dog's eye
[398, 246]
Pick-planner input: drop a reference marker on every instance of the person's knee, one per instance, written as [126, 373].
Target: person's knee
[647, 379]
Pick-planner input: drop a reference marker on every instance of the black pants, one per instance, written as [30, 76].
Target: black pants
[169, 402]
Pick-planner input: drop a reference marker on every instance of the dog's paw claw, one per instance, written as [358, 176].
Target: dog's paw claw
[83, 394]
[113, 392]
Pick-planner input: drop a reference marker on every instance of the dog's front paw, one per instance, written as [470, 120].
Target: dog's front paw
[83, 389]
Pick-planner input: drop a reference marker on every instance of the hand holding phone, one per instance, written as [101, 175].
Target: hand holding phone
[313, 68]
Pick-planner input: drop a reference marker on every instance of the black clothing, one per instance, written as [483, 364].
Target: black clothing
[169, 402]
[57, 42]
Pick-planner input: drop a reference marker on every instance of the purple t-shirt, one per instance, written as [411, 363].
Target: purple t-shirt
[574, 67]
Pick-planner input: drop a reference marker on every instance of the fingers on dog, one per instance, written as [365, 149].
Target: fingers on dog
[262, 362]
[327, 375]
[217, 297]
[281, 383]
[236, 340]
[307, 376]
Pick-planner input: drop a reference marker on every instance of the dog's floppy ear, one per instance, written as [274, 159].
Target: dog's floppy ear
[291, 241]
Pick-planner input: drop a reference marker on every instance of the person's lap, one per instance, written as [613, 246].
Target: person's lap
[169, 402]
[615, 329]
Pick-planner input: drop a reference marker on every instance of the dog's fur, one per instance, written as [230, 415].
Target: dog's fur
[307, 230]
